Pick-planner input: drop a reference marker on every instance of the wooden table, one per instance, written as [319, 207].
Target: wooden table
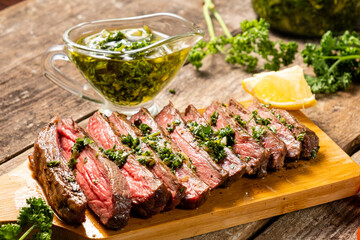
[28, 100]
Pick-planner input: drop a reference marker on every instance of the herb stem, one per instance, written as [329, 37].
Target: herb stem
[342, 57]
[208, 5]
[220, 21]
[27, 233]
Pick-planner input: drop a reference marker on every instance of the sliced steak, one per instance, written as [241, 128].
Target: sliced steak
[231, 162]
[268, 139]
[309, 140]
[123, 127]
[50, 168]
[246, 148]
[148, 193]
[196, 191]
[293, 146]
[101, 181]
[171, 121]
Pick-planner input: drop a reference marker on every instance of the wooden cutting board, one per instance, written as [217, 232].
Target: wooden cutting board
[332, 175]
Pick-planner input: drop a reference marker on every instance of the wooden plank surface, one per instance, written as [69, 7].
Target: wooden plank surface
[27, 100]
[332, 175]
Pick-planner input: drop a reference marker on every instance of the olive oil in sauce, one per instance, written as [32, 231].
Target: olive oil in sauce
[131, 78]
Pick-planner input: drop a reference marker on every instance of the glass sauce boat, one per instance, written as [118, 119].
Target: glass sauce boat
[124, 80]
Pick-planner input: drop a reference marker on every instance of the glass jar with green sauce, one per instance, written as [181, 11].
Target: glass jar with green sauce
[126, 62]
[310, 18]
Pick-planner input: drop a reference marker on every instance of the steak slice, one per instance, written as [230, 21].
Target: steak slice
[231, 162]
[293, 146]
[268, 139]
[50, 168]
[196, 191]
[209, 172]
[246, 148]
[100, 179]
[123, 127]
[148, 193]
[309, 140]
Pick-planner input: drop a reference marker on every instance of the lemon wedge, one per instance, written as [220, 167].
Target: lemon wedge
[286, 89]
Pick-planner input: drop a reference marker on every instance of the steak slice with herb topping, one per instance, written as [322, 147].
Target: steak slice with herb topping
[196, 191]
[50, 168]
[264, 114]
[148, 193]
[130, 137]
[246, 148]
[268, 139]
[101, 181]
[309, 140]
[214, 144]
[171, 121]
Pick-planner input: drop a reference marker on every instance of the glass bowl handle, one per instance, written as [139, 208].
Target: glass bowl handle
[51, 72]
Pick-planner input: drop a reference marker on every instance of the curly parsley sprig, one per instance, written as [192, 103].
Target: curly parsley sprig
[244, 48]
[335, 62]
[37, 215]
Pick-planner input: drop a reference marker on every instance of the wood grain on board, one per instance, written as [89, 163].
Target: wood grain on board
[331, 176]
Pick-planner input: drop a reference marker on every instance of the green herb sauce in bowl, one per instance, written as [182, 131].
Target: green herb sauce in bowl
[136, 78]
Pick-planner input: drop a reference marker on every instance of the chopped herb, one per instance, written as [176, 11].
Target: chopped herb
[257, 133]
[247, 159]
[119, 157]
[240, 121]
[72, 163]
[85, 160]
[146, 161]
[170, 129]
[213, 118]
[228, 134]
[266, 105]
[209, 140]
[144, 158]
[176, 122]
[53, 163]
[145, 129]
[260, 120]
[300, 136]
[71, 179]
[172, 91]
[79, 145]
[96, 181]
[172, 160]
[314, 152]
[290, 126]
[223, 104]
[131, 142]
[271, 128]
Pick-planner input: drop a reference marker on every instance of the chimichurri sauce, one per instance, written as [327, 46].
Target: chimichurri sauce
[136, 78]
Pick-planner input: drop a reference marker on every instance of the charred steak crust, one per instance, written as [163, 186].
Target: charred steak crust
[100, 179]
[231, 162]
[123, 126]
[246, 148]
[269, 140]
[293, 146]
[62, 192]
[148, 193]
[309, 140]
[208, 171]
[196, 191]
